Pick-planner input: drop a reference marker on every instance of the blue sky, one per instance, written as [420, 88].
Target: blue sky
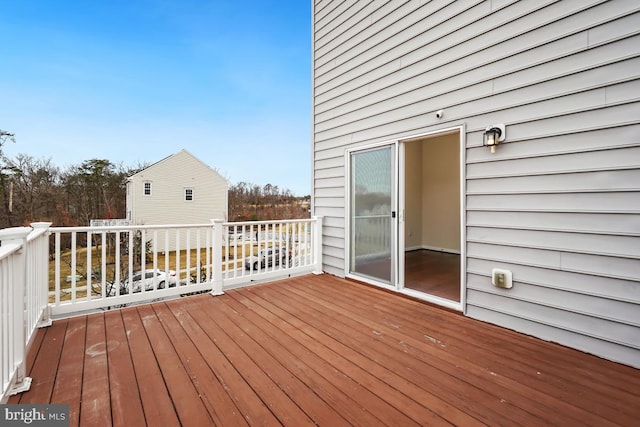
[134, 81]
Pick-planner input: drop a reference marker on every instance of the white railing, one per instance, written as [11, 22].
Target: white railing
[110, 266]
[258, 251]
[132, 264]
[57, 271]
[23, 300]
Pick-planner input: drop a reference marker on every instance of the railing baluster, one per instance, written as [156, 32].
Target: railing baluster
[103, 265]
[143, 260]
[188, 256]
[73, 266]
[178, 256]
[302, 243]
[244, 248]
[154, 245]
[57, 268]
[116, 274]
[88, 265]
[167, 253]
[198, 278]
[130, 259]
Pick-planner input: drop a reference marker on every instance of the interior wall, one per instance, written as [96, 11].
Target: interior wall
[432, 193]
[441, 193]
[413, 196]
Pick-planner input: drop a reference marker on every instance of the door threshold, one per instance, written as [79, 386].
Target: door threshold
[453, 305]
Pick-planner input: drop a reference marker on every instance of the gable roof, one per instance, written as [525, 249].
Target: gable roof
[173, 155]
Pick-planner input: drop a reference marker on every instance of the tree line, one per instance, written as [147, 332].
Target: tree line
[37, 190]
[251, 202]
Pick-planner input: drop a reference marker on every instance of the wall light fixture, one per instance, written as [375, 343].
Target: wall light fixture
[493, 135]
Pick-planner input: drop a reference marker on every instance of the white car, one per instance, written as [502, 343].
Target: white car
[267, 257]
[161, 279]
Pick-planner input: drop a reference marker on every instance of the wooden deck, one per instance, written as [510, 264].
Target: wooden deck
[317, 350]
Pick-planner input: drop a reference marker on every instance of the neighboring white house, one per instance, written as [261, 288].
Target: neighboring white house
[403, 93]
[179, 189]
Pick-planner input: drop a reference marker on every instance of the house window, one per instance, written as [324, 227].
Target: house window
[147, 188]
[188, 194]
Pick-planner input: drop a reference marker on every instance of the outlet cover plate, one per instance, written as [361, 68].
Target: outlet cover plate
[501, 278]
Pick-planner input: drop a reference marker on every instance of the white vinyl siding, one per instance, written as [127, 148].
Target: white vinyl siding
[171, 177]
[559, 202]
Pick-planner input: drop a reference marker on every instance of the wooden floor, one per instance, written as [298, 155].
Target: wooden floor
[317, 350]
[434, 273]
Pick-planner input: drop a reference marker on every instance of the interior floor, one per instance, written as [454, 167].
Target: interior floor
[431, 272]
[434, 273]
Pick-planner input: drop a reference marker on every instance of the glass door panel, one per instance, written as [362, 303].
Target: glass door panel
[372, 213]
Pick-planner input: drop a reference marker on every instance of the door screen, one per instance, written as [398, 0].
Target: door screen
[371, 213]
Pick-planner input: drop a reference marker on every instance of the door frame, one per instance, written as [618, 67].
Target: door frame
[454, 305]
[398, 239]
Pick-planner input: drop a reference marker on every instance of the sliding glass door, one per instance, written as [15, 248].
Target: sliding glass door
[372, 213]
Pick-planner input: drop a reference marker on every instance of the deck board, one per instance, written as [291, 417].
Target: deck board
[271, 359]
[36, 342]
[44, 369]
[95, 407]
[122, 377]
[317, 350]
[305, 359]
[184, 395]
[444, 367]
[220, 406]
[348, 362]
[261, 379]
[523, 362]
[154, 396]
[71, 367]
[371, 344]
[253, 409]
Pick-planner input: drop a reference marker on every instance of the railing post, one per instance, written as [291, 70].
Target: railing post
[317, 245]
[217, 257]
[18, 236]
[43, 276]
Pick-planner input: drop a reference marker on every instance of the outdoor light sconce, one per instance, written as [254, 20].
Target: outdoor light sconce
[493, 135]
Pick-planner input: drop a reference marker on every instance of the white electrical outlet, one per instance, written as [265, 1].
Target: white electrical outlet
[501, 278]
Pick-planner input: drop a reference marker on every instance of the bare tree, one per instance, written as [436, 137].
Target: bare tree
[35, 187]
[6, 180]
[250, 202]
[94, 189]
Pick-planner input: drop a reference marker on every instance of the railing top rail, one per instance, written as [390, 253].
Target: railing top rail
[165, 226]
[12, 239]
[8, 249]
[12, 233]
[126, 227]
[285, 221]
